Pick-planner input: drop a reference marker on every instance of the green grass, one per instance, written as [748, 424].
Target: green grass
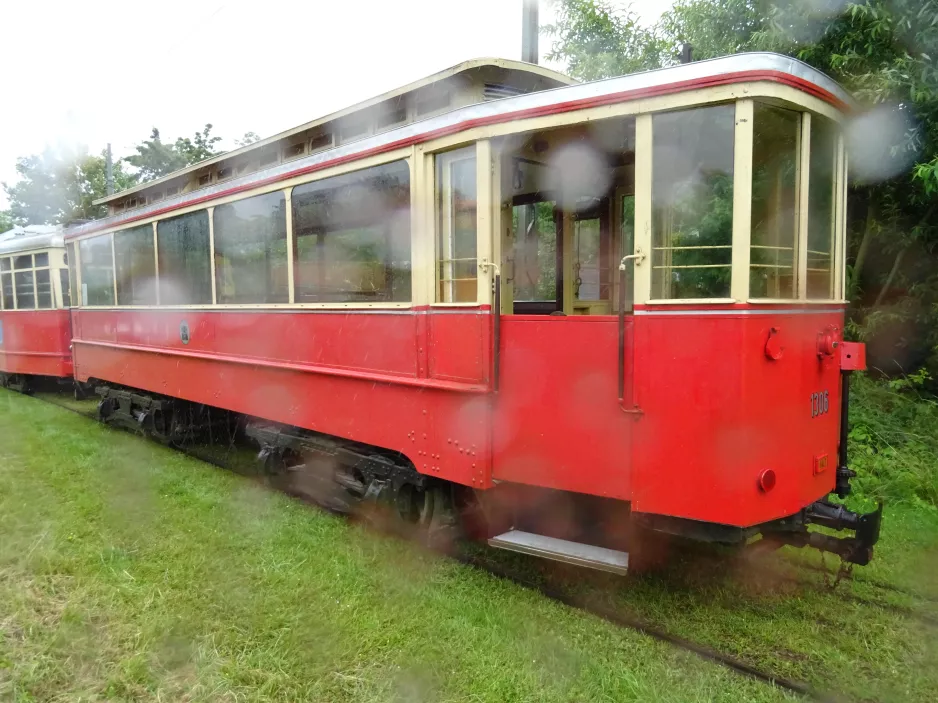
[131, 572]
[894, 441]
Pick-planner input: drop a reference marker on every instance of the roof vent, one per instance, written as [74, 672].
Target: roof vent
[497, 91]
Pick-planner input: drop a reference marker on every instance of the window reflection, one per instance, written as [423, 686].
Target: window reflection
[774, 194]
[353, 237]
[185, 273]
[251, 250]
[456, 209]
[821, 199]
[692, 202]
[136, 266]
[97, 271]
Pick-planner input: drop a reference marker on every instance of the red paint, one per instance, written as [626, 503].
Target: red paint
[767, 480]
[36, 342]
[557, 108]
[852, 356]
[717, 413]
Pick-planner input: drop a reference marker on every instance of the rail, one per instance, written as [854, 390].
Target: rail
[638, 257]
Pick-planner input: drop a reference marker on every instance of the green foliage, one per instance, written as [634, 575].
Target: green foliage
[59, 187]
[155, 158]
[6, 221]
[893, 442]
[597, 40]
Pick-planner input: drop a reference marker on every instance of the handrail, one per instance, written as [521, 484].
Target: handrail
[638, 257]
[496, 322]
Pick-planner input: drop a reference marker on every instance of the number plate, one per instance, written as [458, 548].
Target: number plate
[820, 403]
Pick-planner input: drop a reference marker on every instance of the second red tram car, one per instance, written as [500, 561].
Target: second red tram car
[35, 334]
[580, 308]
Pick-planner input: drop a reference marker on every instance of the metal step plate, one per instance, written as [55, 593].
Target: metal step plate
[562, 550]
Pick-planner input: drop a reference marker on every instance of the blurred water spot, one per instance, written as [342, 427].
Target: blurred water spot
[881, 143]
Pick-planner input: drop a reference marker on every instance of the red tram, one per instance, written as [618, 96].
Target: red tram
[35, 335]
[567, 309]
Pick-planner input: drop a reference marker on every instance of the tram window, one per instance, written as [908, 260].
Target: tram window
[24, 261]
[353, 237]
[97, 271]
[66, 288]
[42, 260]
[25, 293]
[136, 266]
[72, 274]
[590, 276]
[183, 251]
[456, 210]
[774, 186]
[821, 185]
[535, 270]
[6, 282]
[251, 250]
[5, 264]
[692, 203]
[43, 289]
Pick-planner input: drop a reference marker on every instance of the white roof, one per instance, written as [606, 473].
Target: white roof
[31, 237]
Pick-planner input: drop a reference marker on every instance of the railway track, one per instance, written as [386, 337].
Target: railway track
[614, 616]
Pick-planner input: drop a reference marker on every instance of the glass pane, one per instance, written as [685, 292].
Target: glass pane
[185, 273]
[72, 275]
[692, 203]
[97, 271]
[456, 207]
[23, 262]
[353, 237]
[821, 185]
[42, 260]
[25, 296]
[6, 282]
[5, 264]
[136, 266]
[44, 288]
[535, 235]
[590, 277]
[66, 288]
[251, 251]
[774, 194]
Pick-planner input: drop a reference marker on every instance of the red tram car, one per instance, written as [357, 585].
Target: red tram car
[35, 335]
[568, 310]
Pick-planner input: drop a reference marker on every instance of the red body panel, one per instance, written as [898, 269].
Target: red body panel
[35, 342]
[719, 411]
[558, 422]
[723, 398]
[352, 374]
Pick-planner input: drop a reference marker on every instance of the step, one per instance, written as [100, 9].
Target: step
[563, 550]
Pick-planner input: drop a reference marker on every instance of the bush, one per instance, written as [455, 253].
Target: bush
[893, 441]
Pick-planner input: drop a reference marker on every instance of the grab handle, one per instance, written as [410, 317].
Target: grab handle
[638, 257]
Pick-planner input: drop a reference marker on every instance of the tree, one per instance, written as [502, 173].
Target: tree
[6, 221]
[59, 186]
[247, 139]
[155, 158]
[597, 40]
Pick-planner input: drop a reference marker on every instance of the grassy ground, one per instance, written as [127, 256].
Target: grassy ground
[130, 572]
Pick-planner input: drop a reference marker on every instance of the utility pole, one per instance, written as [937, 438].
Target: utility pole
[687, 53]
[529, 31]
[109, 171]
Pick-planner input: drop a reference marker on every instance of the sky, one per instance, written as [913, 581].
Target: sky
[98, 71]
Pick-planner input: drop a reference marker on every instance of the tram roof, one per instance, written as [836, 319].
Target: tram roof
[31, 237]
[727, 70]
[531, 76]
